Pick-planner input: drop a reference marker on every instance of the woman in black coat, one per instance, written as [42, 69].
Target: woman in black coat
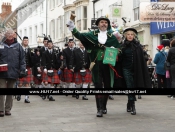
[171, 59]
[134, 67]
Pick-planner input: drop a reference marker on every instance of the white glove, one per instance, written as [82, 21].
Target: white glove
[118, 36]
[45, 70]
[71, 25]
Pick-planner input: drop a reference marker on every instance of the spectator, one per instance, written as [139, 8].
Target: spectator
[12, 54]
[159, 60]
[171, 59]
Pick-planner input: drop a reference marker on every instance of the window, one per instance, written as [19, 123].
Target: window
[98, 13]
[52, 29]
[81, 18]
[52, 4]
[36, 9]
[30, 33]
[58, 2]
[42, 7]
[84, 17]
[67, 18]
[20, 32]
[136, 9]
[25, 32]
[35, 34]
[58, 27]
[78, 18]
[41, 29]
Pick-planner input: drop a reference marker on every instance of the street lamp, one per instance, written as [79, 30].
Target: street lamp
[94, 1]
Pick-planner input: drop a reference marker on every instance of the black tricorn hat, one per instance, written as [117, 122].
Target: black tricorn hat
[102, 18]
[131, 29]
[25, 37]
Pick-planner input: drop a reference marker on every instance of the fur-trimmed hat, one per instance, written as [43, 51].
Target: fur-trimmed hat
[160, 48]
[131, 29]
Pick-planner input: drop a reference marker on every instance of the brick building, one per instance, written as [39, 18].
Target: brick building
[6, 10]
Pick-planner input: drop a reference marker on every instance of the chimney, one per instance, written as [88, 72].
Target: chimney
[6, 8]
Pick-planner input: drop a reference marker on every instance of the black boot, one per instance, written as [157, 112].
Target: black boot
[128, 106]
[133, 110]
[99, 103]
[104, 104]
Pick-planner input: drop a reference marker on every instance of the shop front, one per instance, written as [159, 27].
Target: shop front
[161, 30]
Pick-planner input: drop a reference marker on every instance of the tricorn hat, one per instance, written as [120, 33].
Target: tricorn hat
[131, 29]
[102, 18]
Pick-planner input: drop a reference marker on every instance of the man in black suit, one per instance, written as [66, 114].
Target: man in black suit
[50, 66]
[68, 74]
[79, 64]
[26, 81]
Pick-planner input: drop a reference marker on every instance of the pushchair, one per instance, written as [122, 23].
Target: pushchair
[153, 76]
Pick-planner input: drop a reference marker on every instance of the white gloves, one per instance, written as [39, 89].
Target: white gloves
[118, 36]
[71, 25]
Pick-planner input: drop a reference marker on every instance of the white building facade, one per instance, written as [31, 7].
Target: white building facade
[59, 14]
[32, 19]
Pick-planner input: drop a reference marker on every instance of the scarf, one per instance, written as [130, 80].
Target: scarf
[9, 42]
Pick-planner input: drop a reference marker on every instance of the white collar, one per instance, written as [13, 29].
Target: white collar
[102, 37]
[82, 49]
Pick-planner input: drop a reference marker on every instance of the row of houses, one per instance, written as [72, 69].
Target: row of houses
[37, 17]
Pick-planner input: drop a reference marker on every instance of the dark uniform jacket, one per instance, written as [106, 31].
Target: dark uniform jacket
[49, 61]
[67, 53]
[79, 60]
[36, 63]
[42, 50]
[28, 57]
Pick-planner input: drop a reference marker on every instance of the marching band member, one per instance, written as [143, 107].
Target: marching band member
[43, 49]
[60, 72]
[37, 76]
[68, 74]
[50, 66]
[28, 58]
[80, 61]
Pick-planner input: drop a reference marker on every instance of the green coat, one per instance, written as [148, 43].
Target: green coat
[90, 41]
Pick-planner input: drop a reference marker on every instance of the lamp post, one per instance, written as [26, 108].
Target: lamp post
[94, 1]
[46, 15]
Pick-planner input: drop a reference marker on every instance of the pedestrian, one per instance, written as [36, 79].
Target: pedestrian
[79, 64]
[171, 60]
[159, 60]
[135, 71]
[13, 55]
[95, 43]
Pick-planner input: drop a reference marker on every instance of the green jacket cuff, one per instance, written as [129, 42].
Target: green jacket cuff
[74, 31]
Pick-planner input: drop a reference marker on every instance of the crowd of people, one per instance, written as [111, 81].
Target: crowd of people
[79, 67]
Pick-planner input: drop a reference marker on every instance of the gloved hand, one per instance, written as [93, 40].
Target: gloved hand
[71, 25]
[118, 36]
[22, 74]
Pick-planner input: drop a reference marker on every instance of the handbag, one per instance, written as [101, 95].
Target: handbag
[50, 73]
